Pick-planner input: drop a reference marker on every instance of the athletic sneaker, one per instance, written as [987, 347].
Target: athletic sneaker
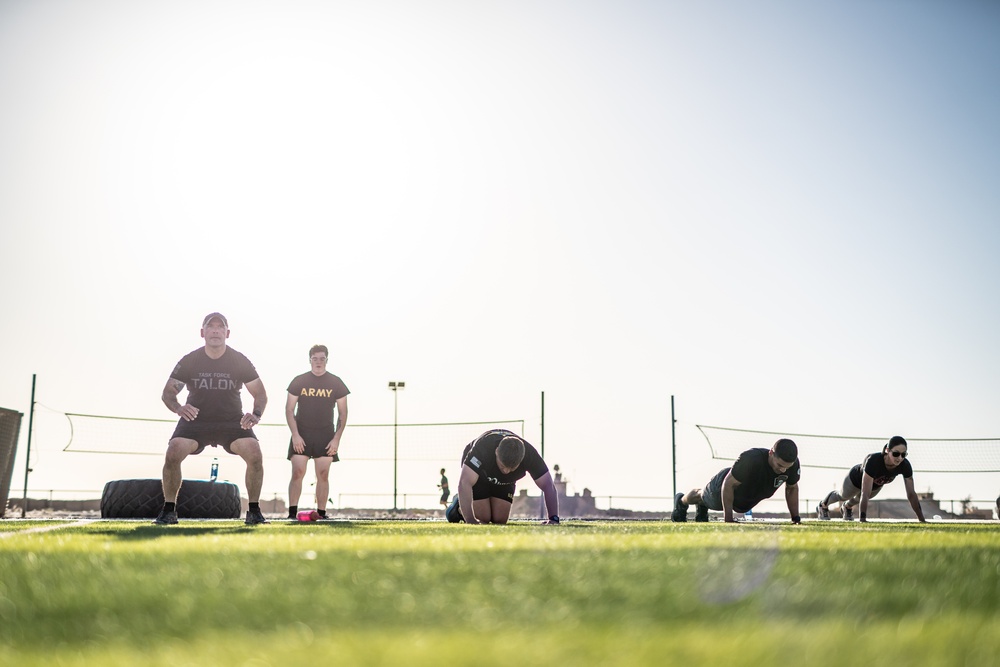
[701, 514]
[254, 517]
[822, 513]
[848, 514]
[453, 513]
[165, 518]
[680, 513]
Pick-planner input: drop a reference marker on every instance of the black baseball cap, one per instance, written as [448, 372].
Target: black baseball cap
[212, 316]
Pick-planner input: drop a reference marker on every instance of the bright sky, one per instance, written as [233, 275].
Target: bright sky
[785, 214]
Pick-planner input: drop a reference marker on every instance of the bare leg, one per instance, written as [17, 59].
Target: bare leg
[249, 451]
[178, 449]
[499, 510]
[299, 464]
[692, 497]
[322, 465]
[491, 510]
[481, 508]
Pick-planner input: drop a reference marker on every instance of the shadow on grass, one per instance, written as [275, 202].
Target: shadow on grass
[194, 528]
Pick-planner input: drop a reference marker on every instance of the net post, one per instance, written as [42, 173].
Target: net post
[673, 445]
[27, 455]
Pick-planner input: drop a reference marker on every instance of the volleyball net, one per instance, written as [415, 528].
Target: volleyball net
[102, 434]
[972, 455]
[376, 460]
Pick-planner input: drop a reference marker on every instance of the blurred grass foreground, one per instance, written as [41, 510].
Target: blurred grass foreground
[430, 593]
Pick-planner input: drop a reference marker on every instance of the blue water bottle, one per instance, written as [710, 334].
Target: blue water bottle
[215, 470]
[749, 515]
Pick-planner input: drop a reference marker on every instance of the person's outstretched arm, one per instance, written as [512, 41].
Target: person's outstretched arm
[728, 495]
[792, 500]
[465, 483]
[867, 483]
[911, 495]
[548, 489]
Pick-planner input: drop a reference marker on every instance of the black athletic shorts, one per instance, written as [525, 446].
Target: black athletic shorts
[215, 434]
[484, 488]
[316, 441]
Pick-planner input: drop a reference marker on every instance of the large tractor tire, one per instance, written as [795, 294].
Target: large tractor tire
[143, 499]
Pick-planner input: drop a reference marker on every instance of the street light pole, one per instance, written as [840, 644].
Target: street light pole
[394, 386]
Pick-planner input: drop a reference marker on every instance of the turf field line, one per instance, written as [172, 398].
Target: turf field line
[45, 529]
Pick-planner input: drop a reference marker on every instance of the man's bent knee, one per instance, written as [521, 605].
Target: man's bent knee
[248, 449]
[692, 497]
[179, 449]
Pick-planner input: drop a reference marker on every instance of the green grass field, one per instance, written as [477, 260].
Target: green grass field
[428, 593]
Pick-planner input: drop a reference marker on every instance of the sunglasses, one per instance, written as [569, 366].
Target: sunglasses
[897, 454]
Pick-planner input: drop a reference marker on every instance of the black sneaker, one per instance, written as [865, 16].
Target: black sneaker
[822, 513]
[701, 514]
[680, 513]
[453, 513]
[165, 518]
[848, 514]
[254, 517]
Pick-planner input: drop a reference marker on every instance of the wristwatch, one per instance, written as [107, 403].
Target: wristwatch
[554, 518]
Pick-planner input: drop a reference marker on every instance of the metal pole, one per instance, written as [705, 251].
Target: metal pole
[395, 445]
[673, 443]
[27, 456]
[395, 386]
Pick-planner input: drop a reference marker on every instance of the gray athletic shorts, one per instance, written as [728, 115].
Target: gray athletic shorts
[711, 495]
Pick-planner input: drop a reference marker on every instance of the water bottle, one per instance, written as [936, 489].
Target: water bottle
[215, 470]
[308, 515]
[749, 515]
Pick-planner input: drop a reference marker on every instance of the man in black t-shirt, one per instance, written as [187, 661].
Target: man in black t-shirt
[865, 480]
[755, 476]
[309, 408]
[491, 466]
[213, 414]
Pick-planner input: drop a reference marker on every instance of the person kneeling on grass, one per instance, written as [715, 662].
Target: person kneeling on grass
[755, 476]
[865, 480]
[491, 466]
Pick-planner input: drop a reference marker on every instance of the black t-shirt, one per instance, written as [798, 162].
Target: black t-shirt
[318, 395]
[481, 456]
[757, 480]
[214, 384]
[875, 466]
